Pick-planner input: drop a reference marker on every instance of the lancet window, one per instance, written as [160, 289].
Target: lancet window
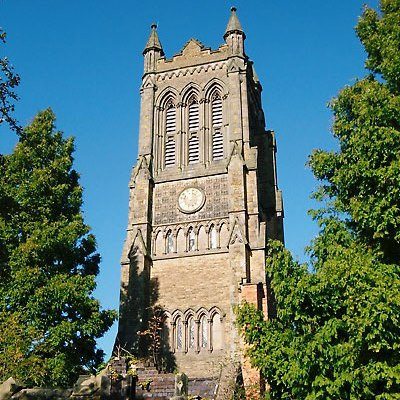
[169, 242]
[191, 333]
[217, 137]
[213, 237]
[203, 332]
[193, 127]
[170, 128]
[191, 240]
[193, 115]
[179, 334]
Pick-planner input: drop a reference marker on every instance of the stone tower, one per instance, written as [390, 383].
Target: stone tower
[203, 202]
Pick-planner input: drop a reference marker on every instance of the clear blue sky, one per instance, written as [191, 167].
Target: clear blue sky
[83, 59]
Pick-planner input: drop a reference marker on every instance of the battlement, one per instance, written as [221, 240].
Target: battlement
[193, 53]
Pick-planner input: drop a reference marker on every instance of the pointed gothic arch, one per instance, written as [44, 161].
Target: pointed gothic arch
[214, 85]
[191, 89]
[165, 95]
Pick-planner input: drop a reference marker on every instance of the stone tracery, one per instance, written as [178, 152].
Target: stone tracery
[189, 129]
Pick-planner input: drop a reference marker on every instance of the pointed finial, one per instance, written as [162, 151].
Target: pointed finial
[154, 42]
[233, 23]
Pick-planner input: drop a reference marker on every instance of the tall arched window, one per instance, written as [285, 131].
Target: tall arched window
[217, 137]
[193, 115]
[170, 243]
[191, 332]
[191, 240]
[193, 127]
[170, 127]
[203, 332]
[179, 334]
[213, 237]
[165, 334]
[170, 118]
[216, 333]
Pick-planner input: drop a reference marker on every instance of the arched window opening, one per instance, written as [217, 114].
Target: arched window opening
[203, 332]
[217, 137]
[180, 241]
[170, 118]
[213, 238]
[179, 334]
[217, 146]
[216, 333]
[170, 243]
[170, 127]
[165, 334]
[202, 239]
[223, 235]
[193, 116]
[191, 240]
[194, 150]
[191, 330]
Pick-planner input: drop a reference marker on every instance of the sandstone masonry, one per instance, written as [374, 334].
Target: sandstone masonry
[203, 202]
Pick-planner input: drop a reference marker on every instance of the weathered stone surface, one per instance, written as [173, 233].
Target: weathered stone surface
[181, 387]
[9, 388]
[92, 386]
[42, 394]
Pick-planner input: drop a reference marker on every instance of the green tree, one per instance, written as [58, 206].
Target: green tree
[363, 178]
[337, 328]
[49, 320]
[9, 80]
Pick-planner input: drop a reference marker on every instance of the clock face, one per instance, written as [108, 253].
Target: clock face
[191, 200]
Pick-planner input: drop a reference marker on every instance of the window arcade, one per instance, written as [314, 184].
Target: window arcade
[169, 145]
[201, 332]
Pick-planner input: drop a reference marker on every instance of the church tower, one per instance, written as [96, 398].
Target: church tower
[203, 202]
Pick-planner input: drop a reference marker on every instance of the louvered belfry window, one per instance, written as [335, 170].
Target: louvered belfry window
[194, 148]
[170, 123]
[170, 152]
[217, 112]
[170, 127]
[193, 116]
[217, 138]
[194, 144]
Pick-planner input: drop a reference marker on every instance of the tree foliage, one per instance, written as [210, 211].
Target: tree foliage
[363, 178]
[337, 328]
[9, 80]
[336, 332]
[49, 320]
